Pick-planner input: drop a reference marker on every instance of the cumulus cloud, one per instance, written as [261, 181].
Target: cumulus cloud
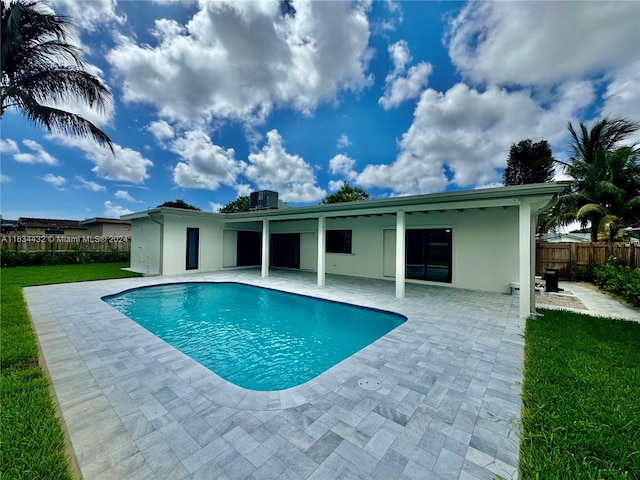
[89, 184]
[55, 180]
[123, 164]
[124, 195]
[37, 154]
[161, 130]
[215, 207]
[343, 141]
[622, 95]
[89, 15]
[4, 178]
[526, 43]
[272, 168]
[342, 165]
[204, 164]
[115, 211]
[402, 84]
[462, 137]
[237, 60]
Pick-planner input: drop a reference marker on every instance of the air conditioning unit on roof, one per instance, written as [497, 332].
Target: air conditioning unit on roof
[263, 200]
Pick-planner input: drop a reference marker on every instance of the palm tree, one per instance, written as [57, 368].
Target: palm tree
[605, 190]
[39, 68]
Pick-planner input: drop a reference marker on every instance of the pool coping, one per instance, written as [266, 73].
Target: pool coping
[122, 391]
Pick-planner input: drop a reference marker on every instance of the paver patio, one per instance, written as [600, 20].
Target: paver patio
[134, 407]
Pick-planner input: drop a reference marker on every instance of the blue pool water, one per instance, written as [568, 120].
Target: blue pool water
[257, 338]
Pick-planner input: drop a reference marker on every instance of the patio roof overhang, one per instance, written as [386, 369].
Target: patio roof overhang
[433, 202]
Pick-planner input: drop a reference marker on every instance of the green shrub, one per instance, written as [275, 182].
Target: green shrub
[79, 255]
[579, 273]
[619, 280]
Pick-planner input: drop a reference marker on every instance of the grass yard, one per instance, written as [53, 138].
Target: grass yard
[581, 398]
[31, 438]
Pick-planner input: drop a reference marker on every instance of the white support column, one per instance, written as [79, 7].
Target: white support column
[400, 254]
[525, 234]
[265, 248]
[321, 250]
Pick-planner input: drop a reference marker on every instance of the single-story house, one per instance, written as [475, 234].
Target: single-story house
[50, 226]
[477, 239]
[107, 227]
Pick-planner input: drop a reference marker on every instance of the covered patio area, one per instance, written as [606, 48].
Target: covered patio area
[447, 406]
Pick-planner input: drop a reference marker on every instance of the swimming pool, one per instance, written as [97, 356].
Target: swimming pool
[257, 338]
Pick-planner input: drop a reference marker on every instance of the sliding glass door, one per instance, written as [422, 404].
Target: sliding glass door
[428, 254]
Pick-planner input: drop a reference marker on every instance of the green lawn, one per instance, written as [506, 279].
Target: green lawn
[581, 398]
[32, 442]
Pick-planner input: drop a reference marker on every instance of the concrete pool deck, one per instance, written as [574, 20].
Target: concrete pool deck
[134, 407]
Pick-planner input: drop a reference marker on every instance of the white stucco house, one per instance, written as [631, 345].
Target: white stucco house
[476, 239]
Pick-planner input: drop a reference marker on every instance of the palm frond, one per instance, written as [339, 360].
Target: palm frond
[40, 66]
[591, 210]
[63, 83]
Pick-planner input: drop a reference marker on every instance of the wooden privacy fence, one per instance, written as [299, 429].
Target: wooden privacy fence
[64, 243]
[563, 255]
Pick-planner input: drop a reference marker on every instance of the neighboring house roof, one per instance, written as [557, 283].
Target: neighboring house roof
[50, 223]
[488, 197]
[566, 237]
[115, 221]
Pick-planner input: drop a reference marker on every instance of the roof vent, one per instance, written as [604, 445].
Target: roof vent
[263, 200]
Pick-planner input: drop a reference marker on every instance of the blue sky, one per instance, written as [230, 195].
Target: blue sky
[215, 99]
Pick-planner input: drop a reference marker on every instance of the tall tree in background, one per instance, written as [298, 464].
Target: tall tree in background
[241, 204]
[41, 68]
[529, 163]
[347, 193]
[605, 186]
[179, 204]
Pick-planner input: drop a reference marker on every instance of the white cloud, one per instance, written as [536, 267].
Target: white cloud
[272, 168]
[462, 137]
[335, 185]
[89, 184]
[55, 180]
[342, 164]
[204, 164]
[243, 190]
[239, 60]
[4, 178]
[529, 43]
[161, 130]
[38, 153]
[124, 195]
[89, 15]
[123, 164]
[622, 96]
[215, 207]
[112, 210]
[402, 84]
[126, 164]
[8, 147]
[343, 141]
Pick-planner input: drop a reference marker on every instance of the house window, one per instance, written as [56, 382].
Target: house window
[193, 244]
[428, 254]
[338, 241]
